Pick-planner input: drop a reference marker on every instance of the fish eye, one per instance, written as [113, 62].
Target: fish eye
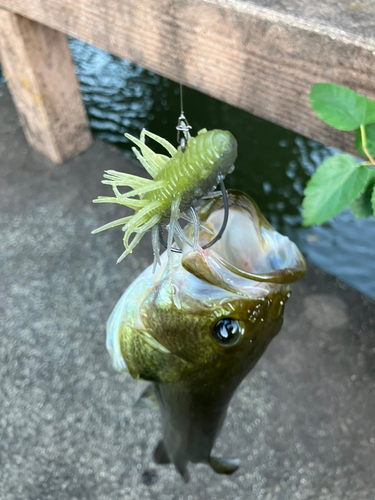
[227, 332]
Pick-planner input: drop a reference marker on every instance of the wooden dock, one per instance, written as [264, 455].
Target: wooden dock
[258, 55]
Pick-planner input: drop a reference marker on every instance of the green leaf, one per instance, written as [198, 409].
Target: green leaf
[341, 107]
[337, 183]
[362, 207]
[370, 140]
[373, 201]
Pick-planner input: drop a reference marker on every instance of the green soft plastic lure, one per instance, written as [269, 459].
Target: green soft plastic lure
[177, 182]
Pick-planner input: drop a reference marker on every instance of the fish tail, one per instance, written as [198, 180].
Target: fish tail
[224, 465]
[161, 457]
[181, 466]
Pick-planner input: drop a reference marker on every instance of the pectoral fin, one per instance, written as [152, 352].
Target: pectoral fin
[147, 400]
[224, 465]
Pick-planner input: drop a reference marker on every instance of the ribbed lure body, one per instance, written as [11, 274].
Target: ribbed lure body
[191, 174]
[177, 181]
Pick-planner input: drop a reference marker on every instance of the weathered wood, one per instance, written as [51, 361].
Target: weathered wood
[259, 59]
[40, 74]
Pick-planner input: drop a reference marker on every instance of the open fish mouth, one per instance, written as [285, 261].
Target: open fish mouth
[251, 261]
[250, 256]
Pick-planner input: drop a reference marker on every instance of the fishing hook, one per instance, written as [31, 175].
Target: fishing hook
[219, 234]
[225, 220]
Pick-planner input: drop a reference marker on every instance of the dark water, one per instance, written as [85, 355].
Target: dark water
[273, 164]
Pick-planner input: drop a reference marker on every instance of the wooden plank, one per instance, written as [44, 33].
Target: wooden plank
[259, 59]
[41, 78]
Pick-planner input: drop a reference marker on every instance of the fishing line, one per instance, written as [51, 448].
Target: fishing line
[182, 125]
[184, 128]
[225, 220]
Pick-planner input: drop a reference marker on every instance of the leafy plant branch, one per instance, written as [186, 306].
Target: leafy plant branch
[364, 145]
[340, 181]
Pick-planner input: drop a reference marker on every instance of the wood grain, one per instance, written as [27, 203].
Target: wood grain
[41, 78]
[257, 59]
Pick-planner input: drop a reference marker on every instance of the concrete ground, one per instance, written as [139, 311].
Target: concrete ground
[303, 423]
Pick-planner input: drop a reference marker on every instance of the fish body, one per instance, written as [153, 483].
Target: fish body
[197, 326]
[177, 182]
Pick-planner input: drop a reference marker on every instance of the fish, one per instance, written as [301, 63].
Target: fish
[177, 182]
[197, 326]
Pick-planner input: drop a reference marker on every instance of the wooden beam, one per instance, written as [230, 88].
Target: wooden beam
[258, 59]
[40, 74]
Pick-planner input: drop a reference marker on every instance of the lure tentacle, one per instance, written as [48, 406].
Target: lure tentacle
[175, 214]
[163, 142]
[139, 231]
[121, 179]
[155, 162]
[192, 221]
[139, 224]
[149, 169]
[196, 228]
[181, 235]
[135, 204]
[176, 182]
[155, 245]
[142, 190]
[129, 248]
[118, 222]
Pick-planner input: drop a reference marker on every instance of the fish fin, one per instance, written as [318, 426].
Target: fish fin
[147, 400]
[182, 469]
[224, 465]
[160, 454]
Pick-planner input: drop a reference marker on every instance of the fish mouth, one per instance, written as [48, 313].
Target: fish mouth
[250, 253]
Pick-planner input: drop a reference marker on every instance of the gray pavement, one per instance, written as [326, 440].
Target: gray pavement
[303, 423]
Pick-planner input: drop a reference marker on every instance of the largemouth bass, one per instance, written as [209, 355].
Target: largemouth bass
[198, 325]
